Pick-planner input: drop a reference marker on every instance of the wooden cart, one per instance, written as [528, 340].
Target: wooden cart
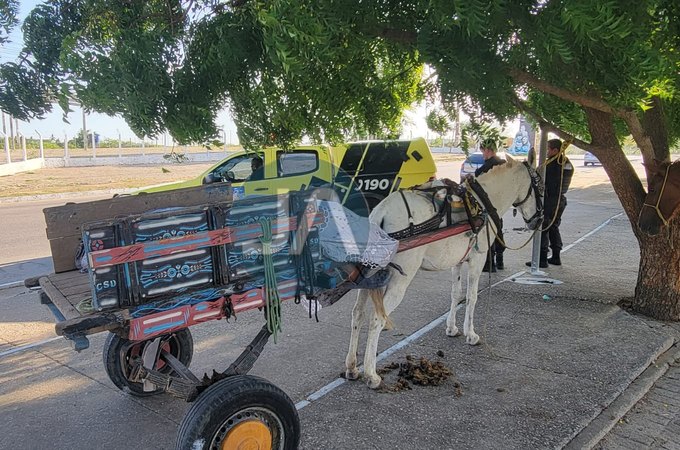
[132, 290]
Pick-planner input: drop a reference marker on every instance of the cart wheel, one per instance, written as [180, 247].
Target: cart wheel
[240, 412]
[119, 353]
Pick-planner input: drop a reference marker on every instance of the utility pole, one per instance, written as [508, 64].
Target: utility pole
[11, 132]
[536, 250]
[84, 131]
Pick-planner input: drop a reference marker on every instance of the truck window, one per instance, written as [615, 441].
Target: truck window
[239, 167]
[385, 157]
[299, 162]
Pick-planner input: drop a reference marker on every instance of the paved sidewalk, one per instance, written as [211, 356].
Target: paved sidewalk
[654, 422]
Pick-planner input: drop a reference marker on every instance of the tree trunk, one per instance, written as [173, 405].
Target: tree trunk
[621, 173]
[657, 293]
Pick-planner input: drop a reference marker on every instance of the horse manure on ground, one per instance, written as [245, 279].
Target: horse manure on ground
[416, 371]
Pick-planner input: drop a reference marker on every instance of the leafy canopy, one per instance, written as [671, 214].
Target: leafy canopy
[326, 68]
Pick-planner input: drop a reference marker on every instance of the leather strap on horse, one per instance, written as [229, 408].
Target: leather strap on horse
[484, 198]
[415, 229]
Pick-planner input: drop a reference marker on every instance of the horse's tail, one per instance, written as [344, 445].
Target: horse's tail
[377, 296]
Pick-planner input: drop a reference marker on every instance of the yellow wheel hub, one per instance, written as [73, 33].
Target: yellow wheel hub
[249, 435]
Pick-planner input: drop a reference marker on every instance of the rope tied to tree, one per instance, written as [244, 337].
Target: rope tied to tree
[271, 293]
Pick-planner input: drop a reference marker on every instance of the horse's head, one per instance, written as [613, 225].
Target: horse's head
[530, 193]
[663, 197]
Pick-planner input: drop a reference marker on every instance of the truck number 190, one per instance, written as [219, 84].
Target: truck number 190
[373, 184]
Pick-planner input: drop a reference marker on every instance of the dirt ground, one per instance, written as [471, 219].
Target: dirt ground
[81, 179]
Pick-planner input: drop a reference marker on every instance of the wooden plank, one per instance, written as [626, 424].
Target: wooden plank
[90, 324]
[64, 223]
[78, 297]
[67, 220]
[432, 236]
[76, 288]
[67, 278]
[58, 299]
[64, 253]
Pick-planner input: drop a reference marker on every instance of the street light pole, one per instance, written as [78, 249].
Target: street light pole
[536, 250]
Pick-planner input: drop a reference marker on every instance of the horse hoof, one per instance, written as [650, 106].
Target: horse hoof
[472, 339]
[374, 382]
[452, 332]
[352, 374]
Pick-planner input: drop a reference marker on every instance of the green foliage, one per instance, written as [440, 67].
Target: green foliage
[438, 122]
[327, 69]
[8, 18]
[474, 134]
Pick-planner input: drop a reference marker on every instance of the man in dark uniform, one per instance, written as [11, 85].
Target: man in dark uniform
[558, 174]
[489, 148]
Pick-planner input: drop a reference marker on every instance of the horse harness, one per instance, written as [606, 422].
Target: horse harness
[475, 212]
[537, 188]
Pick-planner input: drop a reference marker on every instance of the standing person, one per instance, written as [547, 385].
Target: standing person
[489, 149]
[558, 175]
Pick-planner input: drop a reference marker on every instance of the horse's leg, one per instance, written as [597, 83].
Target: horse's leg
[476, 262]
[390, 300]
[456, 296]
[358, 317]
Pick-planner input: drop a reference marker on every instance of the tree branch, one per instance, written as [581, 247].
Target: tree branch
[543, 86]
[639, 135]
[548, 126]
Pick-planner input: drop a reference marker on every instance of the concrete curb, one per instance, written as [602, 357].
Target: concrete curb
[599, 427]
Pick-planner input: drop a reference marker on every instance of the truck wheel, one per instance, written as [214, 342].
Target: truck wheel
[120, 352]
[241, 411]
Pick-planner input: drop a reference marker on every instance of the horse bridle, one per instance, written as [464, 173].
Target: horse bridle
[536, 187]
[658, 200]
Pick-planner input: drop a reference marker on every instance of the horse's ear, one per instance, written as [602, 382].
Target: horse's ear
[531, 157]
[509, 158]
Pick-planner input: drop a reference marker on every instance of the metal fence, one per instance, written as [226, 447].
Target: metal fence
[21, 151]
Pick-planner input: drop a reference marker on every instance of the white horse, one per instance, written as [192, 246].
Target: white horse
[511, 184]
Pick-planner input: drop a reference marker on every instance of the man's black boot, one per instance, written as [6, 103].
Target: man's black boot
[486, 267]
[499, 261]
[555, 258]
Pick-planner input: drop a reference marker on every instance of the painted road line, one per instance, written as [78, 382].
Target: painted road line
[436, 322]
[11, 284]
[23, 348]
[604, 224]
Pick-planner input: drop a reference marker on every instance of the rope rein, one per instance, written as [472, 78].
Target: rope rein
[271, 293]
[658, 200]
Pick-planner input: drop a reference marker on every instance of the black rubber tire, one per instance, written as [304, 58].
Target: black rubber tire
[239, 398]
[117, 352]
